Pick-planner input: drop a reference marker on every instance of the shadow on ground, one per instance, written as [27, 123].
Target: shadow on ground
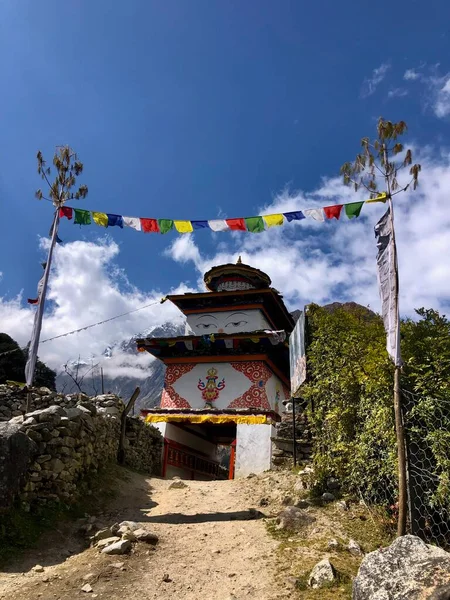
[180, 518]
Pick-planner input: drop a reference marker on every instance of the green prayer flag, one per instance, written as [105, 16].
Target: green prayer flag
[82, 217]
[254, 224]
[353, 209]
[165, 225]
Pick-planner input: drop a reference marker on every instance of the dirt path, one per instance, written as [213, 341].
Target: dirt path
[211, 547]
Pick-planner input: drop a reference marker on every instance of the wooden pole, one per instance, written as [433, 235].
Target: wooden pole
[294, 433]
[399, 430]
[103, 386]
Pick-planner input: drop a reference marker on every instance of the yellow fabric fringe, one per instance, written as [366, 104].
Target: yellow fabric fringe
[217, 419]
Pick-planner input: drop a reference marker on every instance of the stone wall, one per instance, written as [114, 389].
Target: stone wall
[143, 446]
[282, 452]
[66, 438]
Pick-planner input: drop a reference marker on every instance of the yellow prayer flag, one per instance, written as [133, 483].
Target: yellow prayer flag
[273, 220]
[100, 218]
[183, 226]
[380, 198]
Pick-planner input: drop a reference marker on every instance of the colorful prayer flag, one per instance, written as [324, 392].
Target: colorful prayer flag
[149, 225]
[315, 213]
[82, 217]
[236, 224]
[333, 212]
[115, 220]
[273, 220]
[65, 211]
[380, 198]
[183, 226]
[254, 224]
[165, 225]
[200, 224]
[296, 215]
[218, 225]
[133, 222]
[100, 218]
[353, 209]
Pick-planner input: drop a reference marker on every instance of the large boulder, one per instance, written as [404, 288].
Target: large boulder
[408, 569]
[16, 454]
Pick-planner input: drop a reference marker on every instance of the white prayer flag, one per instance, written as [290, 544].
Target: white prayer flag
[388, 285]
[133, 222]
[218, 225]
[315, 213]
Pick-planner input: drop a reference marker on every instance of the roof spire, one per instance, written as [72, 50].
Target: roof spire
[239, 260]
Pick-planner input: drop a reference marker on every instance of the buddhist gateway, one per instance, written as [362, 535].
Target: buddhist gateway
[226, 378]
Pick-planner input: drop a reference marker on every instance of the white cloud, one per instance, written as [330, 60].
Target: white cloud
[86, 286]
[397, 93]
[335, 261]
[437, 86]
[442, 101]
[411, 75]
[370, 84]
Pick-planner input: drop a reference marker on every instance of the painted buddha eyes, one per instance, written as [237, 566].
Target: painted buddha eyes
[215, 326]
[206, 325]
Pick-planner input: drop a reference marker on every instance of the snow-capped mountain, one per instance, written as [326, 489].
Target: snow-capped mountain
[123, 369]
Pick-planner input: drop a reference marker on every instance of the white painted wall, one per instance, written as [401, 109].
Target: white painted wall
[230, 321]
[253, 449]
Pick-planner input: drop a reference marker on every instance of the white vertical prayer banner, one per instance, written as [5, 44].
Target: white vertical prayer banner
[388, 285]
[42, 291]
[297, 356]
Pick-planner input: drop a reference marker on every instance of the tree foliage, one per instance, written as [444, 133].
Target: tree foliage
[68, 168]
[382, 159]
[349, 390]
[12, 365]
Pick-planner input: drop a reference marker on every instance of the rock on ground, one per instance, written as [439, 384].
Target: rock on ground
[354, 548]
[323, 573]
[177, 485]
[407, 569]
[121, 547]
[293, 519]
[142, 535]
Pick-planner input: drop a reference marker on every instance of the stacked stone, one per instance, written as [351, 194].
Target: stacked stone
[66, 438]
[70, 443]
[283, 442]
[143, 446]
[13, 400]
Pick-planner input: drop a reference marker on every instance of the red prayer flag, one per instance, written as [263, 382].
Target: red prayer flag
[236, 224]
[33, 300]
[333, 212]
[150, 226]
[66, 211]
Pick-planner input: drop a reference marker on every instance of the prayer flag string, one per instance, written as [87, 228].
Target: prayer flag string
[255, 224]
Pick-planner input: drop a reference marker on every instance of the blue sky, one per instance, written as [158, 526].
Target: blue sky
[201, 109]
